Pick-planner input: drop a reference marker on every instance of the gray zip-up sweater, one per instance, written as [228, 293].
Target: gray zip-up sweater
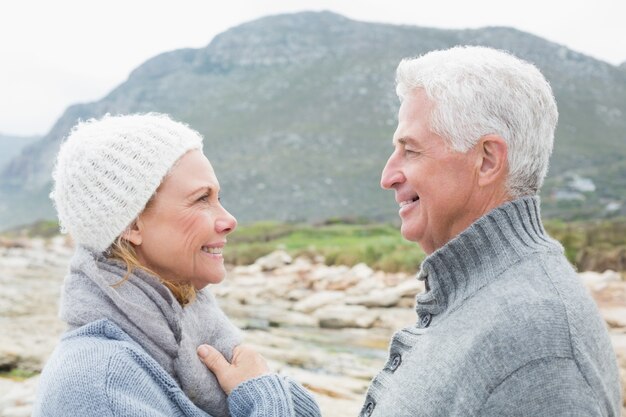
[505, 328]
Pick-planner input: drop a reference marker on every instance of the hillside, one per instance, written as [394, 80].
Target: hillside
[298, 110]
[11, 146]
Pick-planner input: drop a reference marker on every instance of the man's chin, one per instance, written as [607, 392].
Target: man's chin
[408, 234]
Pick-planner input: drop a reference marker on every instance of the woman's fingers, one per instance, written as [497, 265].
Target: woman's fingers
[213, 359]
[246, 364]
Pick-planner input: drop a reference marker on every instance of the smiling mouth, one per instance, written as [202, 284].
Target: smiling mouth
[212, 250]
[407, 202]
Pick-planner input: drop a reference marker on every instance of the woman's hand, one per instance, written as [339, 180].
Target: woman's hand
[246, 364]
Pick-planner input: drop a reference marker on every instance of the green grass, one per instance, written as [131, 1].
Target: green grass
[588, 245]
[17, 374]
[379, 246]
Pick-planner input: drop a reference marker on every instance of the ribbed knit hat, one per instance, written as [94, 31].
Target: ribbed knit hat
[108, 169]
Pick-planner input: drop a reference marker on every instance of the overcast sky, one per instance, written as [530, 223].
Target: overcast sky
[55, 53]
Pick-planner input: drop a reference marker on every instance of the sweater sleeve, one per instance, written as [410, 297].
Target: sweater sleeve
[271, 396]
[545, 387]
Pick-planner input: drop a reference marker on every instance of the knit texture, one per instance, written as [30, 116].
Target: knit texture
[107, 170]
[148, 312]
[505, 327]
[99, 371]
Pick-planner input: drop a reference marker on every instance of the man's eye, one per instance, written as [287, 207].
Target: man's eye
[409, 152]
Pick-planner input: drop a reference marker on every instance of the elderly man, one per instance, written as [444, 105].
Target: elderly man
[505, 327]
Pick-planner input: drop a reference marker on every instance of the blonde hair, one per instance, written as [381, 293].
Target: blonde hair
[122, 250]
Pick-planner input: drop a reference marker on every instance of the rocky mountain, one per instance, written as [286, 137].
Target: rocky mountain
[11, 146]
[298, 111]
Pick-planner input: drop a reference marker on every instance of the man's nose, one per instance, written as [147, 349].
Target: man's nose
[392, 174]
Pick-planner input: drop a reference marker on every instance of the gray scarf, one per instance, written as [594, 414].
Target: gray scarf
[148, 312]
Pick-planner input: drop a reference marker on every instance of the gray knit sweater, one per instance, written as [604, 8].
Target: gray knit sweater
[505, 328]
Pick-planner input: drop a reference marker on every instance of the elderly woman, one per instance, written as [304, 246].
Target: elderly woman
[141, 201]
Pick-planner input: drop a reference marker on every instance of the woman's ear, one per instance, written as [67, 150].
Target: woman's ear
[133, 233]
[494, 160]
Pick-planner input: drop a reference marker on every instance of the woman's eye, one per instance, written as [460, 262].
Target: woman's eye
[204, 198]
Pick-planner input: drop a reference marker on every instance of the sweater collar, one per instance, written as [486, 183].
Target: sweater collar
[479, 254]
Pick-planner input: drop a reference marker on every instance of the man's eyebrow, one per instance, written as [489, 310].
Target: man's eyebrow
[403, 140]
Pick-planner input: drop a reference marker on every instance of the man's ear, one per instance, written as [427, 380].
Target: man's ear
[493, 152]
[133, 233]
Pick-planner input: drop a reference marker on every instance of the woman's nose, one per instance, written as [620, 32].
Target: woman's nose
[226, 223]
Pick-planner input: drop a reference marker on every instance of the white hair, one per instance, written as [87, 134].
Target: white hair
[477, 91]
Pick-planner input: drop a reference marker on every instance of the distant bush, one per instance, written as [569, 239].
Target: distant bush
[42, 228]
[592, 245]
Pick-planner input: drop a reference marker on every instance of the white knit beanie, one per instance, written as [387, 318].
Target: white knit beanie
[107, 170]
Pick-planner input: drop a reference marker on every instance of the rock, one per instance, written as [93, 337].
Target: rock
[299, 266]
[385, 298]
[18, 400]
[361, 271]
[365, 287]
[298, 294]
[15, 260]
[9, 359]
[273, 260]
[388, 297]
[323, 275]
[279, 286]
[241, 295]
[615, 317]
[318, 300]
[409, 288]
[19, 411]
[597, 281]
[240, 270]
[611, 276]
[340, 283]
[341, 316]
[291, 318]
[407, 303]
[396, 318]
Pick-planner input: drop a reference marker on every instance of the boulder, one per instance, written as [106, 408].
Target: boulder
[18, 399]
[361, 271]
[240, 270]
[342, 316]
[365, 287]
[318, 300]
[291, 319]
[597, 281]
[273, 260]
[383, 298]
[615, 317]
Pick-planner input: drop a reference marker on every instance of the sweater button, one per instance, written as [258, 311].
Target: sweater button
[425, 320]
[396, 360]
[369, 409]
